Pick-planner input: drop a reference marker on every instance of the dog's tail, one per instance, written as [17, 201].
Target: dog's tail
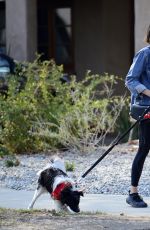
[55, 162]
[58, 163]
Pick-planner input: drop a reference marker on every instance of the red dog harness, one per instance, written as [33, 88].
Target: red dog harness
[147, 116]
[60, 187]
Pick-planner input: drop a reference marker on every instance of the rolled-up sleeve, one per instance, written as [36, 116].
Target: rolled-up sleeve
[132, 81]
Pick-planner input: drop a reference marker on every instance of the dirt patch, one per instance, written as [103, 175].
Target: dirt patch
[48, 220]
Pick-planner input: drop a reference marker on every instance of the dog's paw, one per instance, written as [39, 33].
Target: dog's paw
[64, 208]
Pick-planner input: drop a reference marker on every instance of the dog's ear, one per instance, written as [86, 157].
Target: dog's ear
[64, 194]
[81, 193]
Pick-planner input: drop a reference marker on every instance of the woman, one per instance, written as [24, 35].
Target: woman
[138, 82]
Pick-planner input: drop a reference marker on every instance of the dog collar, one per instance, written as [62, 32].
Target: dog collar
[60, 187]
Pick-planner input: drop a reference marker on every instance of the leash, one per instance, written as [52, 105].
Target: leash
[145, 115]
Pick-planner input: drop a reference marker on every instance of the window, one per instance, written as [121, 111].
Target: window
[63, 35]
[55, 32]
[2, 28]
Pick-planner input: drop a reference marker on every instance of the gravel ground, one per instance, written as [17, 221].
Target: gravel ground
[110, 176]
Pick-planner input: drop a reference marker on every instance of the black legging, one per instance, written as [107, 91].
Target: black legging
[144, 147]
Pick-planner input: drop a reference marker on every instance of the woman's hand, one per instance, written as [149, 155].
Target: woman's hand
[146, 92]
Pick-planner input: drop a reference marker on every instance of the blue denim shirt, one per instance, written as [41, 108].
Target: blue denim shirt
[138, 77]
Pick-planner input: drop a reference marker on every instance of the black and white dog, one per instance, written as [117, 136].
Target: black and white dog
[54, 179]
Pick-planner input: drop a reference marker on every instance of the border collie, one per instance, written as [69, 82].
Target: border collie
[54, 179]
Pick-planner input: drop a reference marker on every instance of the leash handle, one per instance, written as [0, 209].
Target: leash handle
[116, 143]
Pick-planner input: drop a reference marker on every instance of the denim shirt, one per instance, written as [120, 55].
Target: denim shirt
[138, 77]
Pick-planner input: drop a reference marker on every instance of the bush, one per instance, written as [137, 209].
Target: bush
[46, 114]
[70, 166]
[12, 162]
[22, 110]
[91, 116]
[4, 152]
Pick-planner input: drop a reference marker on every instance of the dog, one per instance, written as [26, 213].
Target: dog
[54, 180]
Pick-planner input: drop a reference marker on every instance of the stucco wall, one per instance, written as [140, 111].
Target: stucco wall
[142, 20]
[103, 36]
[21, 29]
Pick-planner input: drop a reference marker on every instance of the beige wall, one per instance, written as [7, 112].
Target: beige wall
[21, 29]
[102, 36]
[142, 20]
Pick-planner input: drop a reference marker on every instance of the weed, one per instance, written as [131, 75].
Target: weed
[70, 166]
[12, 162]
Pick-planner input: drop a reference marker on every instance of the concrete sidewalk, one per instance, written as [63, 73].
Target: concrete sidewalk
[109, 204]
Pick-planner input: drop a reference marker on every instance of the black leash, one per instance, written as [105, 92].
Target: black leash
[116, 143]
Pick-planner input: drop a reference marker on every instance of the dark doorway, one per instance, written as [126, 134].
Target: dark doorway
[55, 32]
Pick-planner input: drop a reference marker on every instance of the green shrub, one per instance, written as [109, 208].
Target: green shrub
[70, 166]
[4, 151]
[12, 162]
[90, 116]
[46, 114]
[21, 111]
